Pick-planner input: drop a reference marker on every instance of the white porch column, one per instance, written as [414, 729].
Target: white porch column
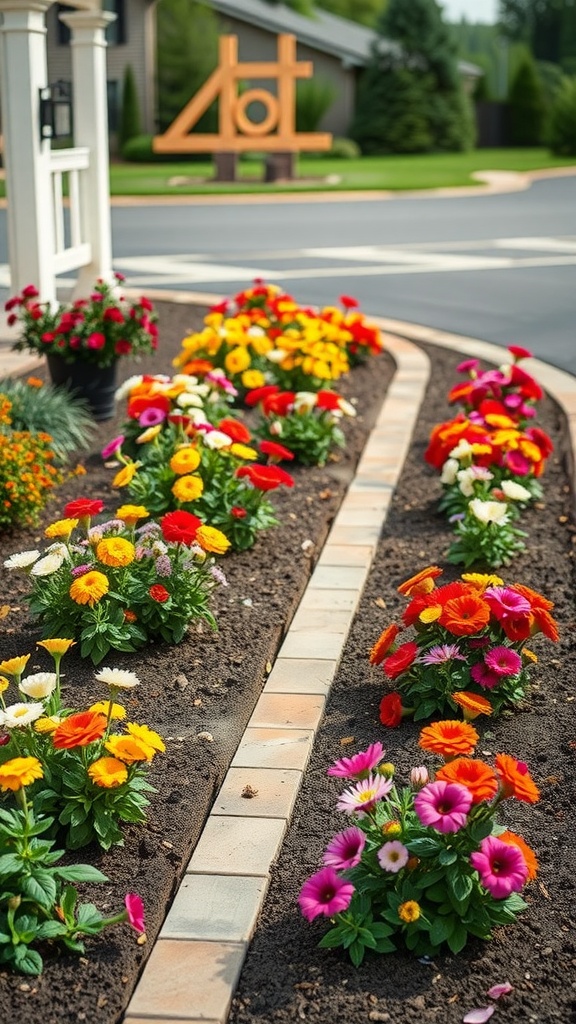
[90, 113]
[26, 157]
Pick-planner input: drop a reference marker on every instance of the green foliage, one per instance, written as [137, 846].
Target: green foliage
[411, 98]
[527, 107]
[344, 149]
[187, 55]
[46, 409]
[366, 12]
[130, 121]
[549, 28]
[314, 97]
[562, 130]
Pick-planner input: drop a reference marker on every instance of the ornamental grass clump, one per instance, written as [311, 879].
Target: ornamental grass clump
[93, 763]
[305, 422]
[27, 472]
[115, 584]
[263, 336]
[42, 409]
[96, 330]
[466, 649]
[425, 865]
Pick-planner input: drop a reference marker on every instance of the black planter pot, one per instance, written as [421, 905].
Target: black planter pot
[95, 384]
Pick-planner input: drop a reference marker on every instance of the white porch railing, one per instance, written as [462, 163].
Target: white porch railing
[78, 253]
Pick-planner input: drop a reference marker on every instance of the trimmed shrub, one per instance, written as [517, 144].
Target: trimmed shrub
[562, 131]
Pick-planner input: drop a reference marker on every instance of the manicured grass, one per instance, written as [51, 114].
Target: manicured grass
[325, 174]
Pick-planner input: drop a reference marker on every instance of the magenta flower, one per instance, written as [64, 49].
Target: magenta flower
[503, 661]
[324, 893]
[363, 797]
[135, 912]
[468, 366]
[506, 603]
[112, 446]
[518, 464]
[482, 675]
[150, 417]
[442, 653]
[80, 570]
[345, 849]
[501, 867]
[96, 340]
[359, 765]
[443, 805]
[393, 856]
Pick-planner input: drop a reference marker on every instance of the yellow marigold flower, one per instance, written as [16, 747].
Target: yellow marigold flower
[482, 580]
[253, 379]
[89, 588]
[409, 911]
[130, 514]
[4, 683]
[146, 735]
[149, 434]
[392, 828]
[115, 551]
[108, 772]
[529, 655]
[243, 451]
[237, 360]
[57, 645]
[18, 772]
[431, 614]
[126, 474]
[105, 707]
[14, 666]
[46, 726]
[185, 460]
[62, 528]
[129, 749]
[212, 540]
[188, 488]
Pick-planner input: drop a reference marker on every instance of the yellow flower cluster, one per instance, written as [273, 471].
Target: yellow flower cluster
[27, 474]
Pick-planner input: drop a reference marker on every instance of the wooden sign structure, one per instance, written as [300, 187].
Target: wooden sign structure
[237, 133]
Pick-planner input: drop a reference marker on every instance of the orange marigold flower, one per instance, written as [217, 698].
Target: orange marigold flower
[211, 539]
[130, 749]
[383, 644]
[472, 704]
[478, 777]
[526, 851]
[516, 780]
[89, 588]
[421, 583]
[465, 615]
[20, 771]
[108, 772]
[115, 551]
[79, 730]
[449, 738]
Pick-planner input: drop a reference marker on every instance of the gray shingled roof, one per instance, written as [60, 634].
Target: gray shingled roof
[326, 32]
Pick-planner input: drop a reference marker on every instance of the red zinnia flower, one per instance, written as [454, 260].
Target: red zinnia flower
[180, 526]
[159, 593]
[259, 394]
[274, 451]
[265, 478]
[327, 400]
[519, 352]
[83, 507]
[391, 710]
[237, 512]
[348, 302]
[235, 430]
[401, 660]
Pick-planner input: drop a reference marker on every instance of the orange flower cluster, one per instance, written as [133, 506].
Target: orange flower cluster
[27, 473]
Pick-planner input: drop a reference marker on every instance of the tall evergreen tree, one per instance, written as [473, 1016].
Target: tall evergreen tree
[411, 97]
[187, 54]
[548, 26]
[130, 124]
[527, 107]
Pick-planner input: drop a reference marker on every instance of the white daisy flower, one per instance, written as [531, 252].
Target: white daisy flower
[19, 715]
[187, 399]
[217, 439]
[47, 565]
[489, 511]
[21, 560]
[515, 491]
[118, 678]
[449, 471]
[40, 685]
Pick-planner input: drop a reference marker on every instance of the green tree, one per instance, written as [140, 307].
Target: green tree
[187, 55]
[366, 12]
[562, 132]
[411, 98]
[130, 123]
[527, 107]
[548, 26]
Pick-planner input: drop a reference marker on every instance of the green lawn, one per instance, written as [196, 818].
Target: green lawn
[325, 174]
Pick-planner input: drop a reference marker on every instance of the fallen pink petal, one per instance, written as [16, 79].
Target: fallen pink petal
[500, 990]
[135, 908]
[478, 1016]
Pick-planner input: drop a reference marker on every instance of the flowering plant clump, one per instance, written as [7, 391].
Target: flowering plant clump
[467, 647]
[116, 585]
[43, 409]
[92, 764]
[263, 336]
[27, 472]
[306, 422]
[97, 330]
[425, 865]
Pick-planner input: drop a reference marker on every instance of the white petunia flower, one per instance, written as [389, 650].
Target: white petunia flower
[217, 439]
[462, 449]
[21, 560]
[449, 471]
[17, 716]
[47, 565]
[304, 401]
[118, 678]
[188, 399]
[465, 479]
[489, 511]
[514, 491]
[40, 685]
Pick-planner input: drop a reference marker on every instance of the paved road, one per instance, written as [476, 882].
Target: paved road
[497, 267]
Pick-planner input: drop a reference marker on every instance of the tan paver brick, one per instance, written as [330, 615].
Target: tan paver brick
[275, 791]
[287, 711]
[337, 620]
[339, 577]
[188, 980]
[215, 907]
[301, 675]
[230, 845]
[313, 644]
[274, 748]
[344, 600]
[344, 554]
[352, 533]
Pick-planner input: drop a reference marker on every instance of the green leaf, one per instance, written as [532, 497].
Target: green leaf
[424, 847]
[441, 929]
[461, 886]
[51, 930]
[10, 864]
[356, 953]
[457, 940]
[30, 962]
[40, 887]
[332, 939]
[447, 857]
[80, 873]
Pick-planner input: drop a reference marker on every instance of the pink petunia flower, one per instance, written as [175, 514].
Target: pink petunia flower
[442, 653]
[443, 805]
[482, 675]
[501, 867]
[503, 661]
[150, 417]
[324, 893]
[468, 366]
[359, 765]
[518, 464]
[345, 849]
[135, 909]
[505, 602]
[393, 856]
[363, 797]
[112, 446]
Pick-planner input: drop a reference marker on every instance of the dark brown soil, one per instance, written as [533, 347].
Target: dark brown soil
[210, 683]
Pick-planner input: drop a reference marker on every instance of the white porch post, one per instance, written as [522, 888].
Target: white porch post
[26, 157]
[90, 114]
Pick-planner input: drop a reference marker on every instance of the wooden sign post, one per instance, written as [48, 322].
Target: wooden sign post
[237, 133]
